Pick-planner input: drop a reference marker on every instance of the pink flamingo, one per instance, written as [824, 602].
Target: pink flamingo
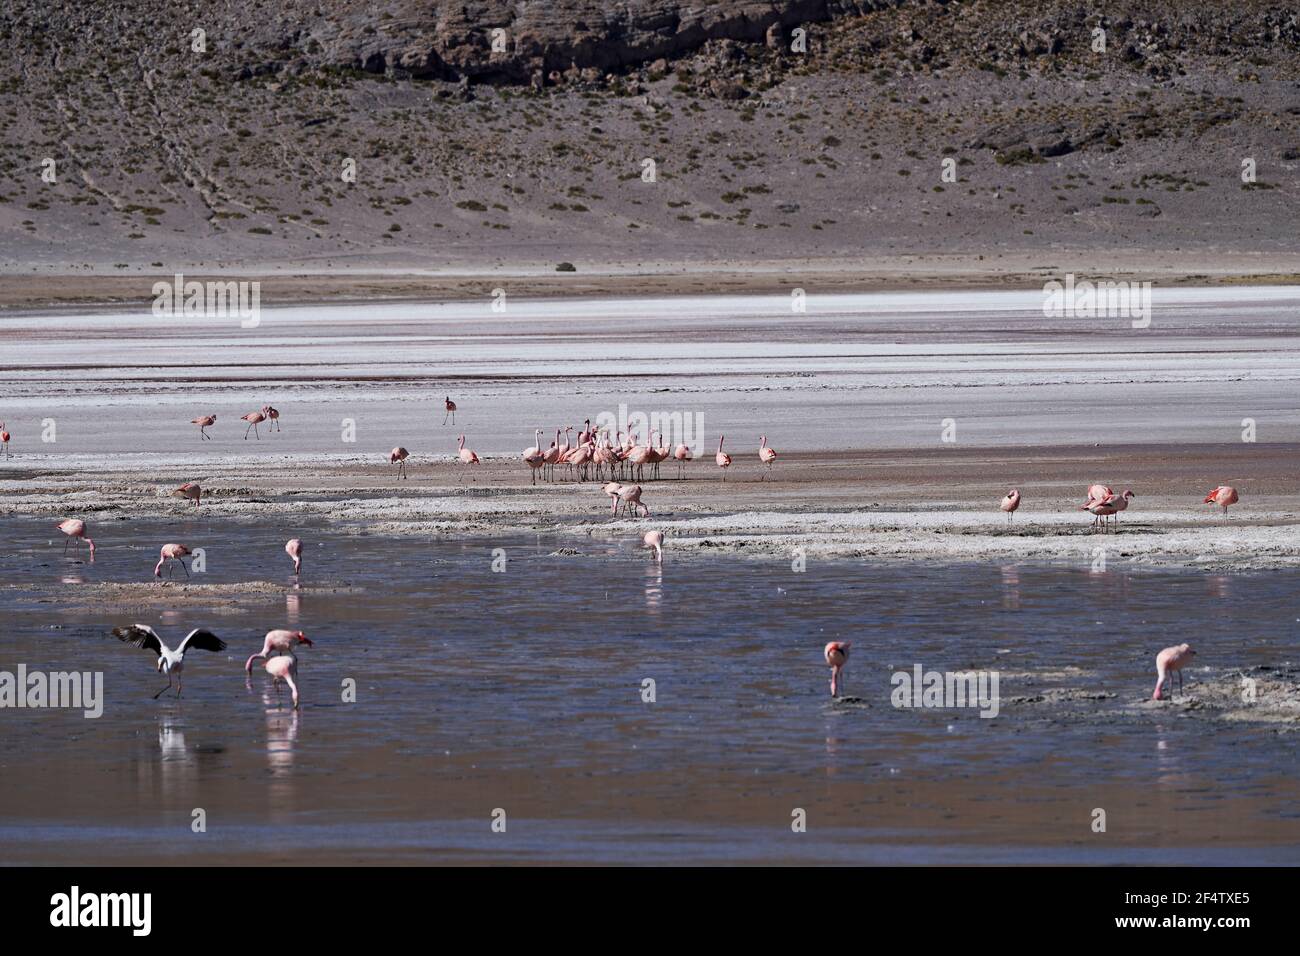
[273, 416]
[639, 457]
[253, 418]
[654, 540]
[1172, 659]
[450, 407]
[75, 529]
[4, 440]
[766, 455]
[1222, 496]
[190, 490]
[630, 497]
[682, 454]
[169, 553]
[1098, 493]
[722, 458]
[1010, 503]
[658, 452]
[204, 422]
[467, 457]
[580, 457]
[284, 668]
[398, 457]
[611, 489]
[1100, 510]
[1120, 502]
[277, 642]
[837, 655]
[553, 454]
[293, 548]
[534, 457]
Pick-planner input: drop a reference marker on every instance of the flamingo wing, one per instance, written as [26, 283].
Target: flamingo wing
[203, 640]
[140, 635]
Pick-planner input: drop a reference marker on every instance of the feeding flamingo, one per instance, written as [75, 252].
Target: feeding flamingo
[273, 415]
[467, 457]
[1010, 503]
[837, 655]
[168, 553]
[277, 642]
[293, 548]
[450, 407]
[190, 490]
[284, 668]
[203, 422]
[722, 458]
[75, 529]
[628, 496]
[654, 540]
[1172, 660]
[766, 455]
[398, 457]
[169, 662]
[253, 418]
[1222, 496]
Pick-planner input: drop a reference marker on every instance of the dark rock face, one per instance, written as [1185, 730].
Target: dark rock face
[514, 42]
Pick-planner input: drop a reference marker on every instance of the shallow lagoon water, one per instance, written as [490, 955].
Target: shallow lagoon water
[522, 691]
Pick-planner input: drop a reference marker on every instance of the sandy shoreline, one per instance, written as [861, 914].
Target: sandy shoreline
[883, 506]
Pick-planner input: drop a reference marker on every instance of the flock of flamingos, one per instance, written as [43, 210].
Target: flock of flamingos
[593, 454]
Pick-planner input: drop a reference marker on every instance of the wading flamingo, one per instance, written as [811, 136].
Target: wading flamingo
[722, 458]
[654, 540]
[4, 440]
[253, 418]
[1172, 660]
[293, 548]
[467, 457]
[168, 553]
[277, 642]
[75, 529]
[284, 668]
[837, 655]
[273, 416]
[1222, 496]
[203, 422]
[450, 407]
[190, 490]
[682, 454]
[398, 457]
[169, 662]
[1010, 503]
[765, 454]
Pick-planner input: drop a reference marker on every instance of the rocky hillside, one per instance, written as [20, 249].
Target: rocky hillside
[402, 132]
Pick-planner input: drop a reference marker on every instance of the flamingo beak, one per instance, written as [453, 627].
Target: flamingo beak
[303, 639]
